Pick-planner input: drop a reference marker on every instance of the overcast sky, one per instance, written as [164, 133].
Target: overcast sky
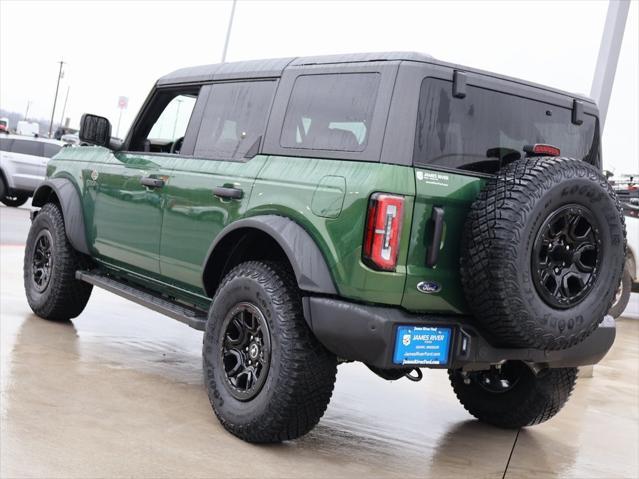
[120, 48]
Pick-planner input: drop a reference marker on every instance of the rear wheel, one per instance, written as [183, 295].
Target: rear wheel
[513, 396]
[50, 263]
[268, 378]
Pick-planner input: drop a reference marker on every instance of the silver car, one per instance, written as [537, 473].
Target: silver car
[23, 164]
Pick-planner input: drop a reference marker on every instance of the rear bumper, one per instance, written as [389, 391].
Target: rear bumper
[367, 333]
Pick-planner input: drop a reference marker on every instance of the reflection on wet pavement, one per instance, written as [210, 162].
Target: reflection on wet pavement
[118, 392]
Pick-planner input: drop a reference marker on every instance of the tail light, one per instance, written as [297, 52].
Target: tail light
[382, 232]
[542, 150]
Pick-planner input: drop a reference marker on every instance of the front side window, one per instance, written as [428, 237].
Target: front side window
[234, 119]
[487, 127]
[330, 112]
[27, 147]
[172, 122]
[51, 149]
[165, 121]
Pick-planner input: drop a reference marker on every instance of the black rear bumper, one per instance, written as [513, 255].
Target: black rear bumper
[367, 333]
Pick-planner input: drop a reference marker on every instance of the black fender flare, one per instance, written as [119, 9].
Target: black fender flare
[71, 205]
[310, 268]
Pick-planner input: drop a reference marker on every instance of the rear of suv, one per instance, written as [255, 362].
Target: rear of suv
[23, 165]
[384, 208]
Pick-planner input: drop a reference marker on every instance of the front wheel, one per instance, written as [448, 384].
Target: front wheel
[15, 201]
[50, 263]
[268, 378]
[513, 396]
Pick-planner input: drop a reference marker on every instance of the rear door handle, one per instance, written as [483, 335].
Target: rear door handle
[151, 182]
[437, 224]
[224, 192]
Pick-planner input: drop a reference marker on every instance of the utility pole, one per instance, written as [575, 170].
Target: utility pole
[64, 108]
[55, 99]
[609, 55]
[26, 113]
[228, 32]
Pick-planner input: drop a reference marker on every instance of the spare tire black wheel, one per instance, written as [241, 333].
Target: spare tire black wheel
[542, 253]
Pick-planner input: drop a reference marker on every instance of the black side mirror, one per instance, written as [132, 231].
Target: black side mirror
[95, 130]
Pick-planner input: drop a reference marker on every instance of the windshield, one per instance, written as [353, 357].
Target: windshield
[487, 128]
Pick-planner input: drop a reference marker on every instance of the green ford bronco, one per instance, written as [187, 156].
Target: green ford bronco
[384, 208]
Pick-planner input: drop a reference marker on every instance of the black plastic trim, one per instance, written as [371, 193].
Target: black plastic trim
[310, 268]
[366, 333]
[71, 205]
[189, 316]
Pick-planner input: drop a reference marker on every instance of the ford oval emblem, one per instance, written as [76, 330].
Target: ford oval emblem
[429, 287]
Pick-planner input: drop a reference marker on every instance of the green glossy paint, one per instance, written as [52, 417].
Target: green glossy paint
[454, 193]
[161, 237]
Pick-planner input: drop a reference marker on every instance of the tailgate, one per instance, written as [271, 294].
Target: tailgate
[448, 195]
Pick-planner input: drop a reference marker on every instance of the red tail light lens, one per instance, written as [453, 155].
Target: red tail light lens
[382, 232]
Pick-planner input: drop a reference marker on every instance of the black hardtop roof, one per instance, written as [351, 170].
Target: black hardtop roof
[275, 67]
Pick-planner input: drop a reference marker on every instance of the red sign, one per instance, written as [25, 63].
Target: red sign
[123, 102]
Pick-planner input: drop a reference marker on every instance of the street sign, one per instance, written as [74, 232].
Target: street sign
[123, 102]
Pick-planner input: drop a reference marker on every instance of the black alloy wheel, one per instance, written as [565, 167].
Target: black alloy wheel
[42, 260]
[246, 351]
[566, 256]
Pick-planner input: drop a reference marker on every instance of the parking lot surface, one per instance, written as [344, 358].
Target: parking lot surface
[118, 392]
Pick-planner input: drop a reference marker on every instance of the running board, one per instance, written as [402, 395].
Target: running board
[192, 317]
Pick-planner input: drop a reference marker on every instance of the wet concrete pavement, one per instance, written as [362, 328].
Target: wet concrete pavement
[118, 392]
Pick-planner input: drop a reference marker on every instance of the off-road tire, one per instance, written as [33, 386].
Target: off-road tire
[14, 201]
[533, 399]
[302, 372]
[625, 288]
[496, 258]
[64, 297]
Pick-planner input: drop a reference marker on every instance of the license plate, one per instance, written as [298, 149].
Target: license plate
[417, 345]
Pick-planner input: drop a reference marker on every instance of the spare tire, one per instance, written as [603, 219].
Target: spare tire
[542, 253]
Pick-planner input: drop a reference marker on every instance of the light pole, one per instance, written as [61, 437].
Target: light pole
[64, 108]
[55, 99]
[228, 32]
[26, 113]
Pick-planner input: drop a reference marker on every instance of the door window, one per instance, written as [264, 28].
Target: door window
[5, 144]
[165, 121]
[27, 147]
[173, 121]
[330, 112]
[51, 149]
[234, 119]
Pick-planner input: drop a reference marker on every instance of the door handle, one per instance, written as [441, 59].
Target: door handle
[224, 192]
[437, 224]
[151, 182]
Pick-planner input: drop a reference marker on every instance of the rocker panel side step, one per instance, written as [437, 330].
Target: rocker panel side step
[192, 317]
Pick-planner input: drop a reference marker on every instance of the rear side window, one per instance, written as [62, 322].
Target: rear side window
[487, 127]
[5, 144]
[234, 119]
[330, 112]
[27, 147]
[51, 149]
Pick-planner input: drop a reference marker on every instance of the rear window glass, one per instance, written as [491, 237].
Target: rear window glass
[330, 112]
[27, 147]
[486, 128]
[51, 149]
